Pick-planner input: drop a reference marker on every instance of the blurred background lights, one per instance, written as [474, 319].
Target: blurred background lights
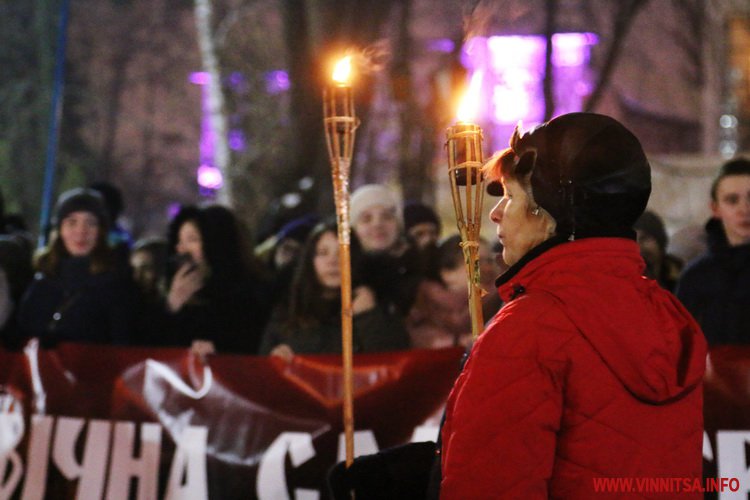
[209, 177]
[277, 82]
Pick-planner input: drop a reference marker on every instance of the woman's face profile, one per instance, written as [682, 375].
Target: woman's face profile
[326, 261]
[190, 242]
[518, 229]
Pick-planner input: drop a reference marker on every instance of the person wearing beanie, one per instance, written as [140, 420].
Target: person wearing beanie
[715, 287]
[652, 241]
[421, 224]
[375, 216]
[118, 237]
[78, 293]
[589, 370]
[390, 265]
[290, 239]
[281, 252]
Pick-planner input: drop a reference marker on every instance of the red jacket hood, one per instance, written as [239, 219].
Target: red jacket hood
[643, 333]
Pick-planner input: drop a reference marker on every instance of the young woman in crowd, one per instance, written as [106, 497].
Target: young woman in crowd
[390, 265]
[216, 292]
[79, 294]
[310, 322]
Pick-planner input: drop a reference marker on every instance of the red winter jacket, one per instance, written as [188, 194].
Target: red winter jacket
[589, 371]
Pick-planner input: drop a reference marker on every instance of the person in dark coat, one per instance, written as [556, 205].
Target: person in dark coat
[216, 293]
[716, 286]
[78, 293]
[390, 265]
[310, 321]
[652, 240]
[421, 225]
[281, 253]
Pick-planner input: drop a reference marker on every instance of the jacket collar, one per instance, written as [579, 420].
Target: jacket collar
[514, 281]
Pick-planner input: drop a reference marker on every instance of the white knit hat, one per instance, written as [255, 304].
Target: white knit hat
[370, 195]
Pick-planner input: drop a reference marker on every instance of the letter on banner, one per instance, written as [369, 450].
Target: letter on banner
[364, 444]
[16, 469]
[124, 465]
[708, 452]
[732, 461]
[189, 462]
[37, 458]
[11, 432]
[271, 481]
[96, 449]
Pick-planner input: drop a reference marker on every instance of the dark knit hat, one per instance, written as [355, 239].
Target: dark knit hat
[298, 229]
[588, 171]
[81, 200]
[418, 213]
[651, 224]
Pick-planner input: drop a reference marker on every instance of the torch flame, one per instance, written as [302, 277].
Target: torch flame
[342, 70]
[469, 105]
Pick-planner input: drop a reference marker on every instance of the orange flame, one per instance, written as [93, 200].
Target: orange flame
[343, 70]
[469, 105]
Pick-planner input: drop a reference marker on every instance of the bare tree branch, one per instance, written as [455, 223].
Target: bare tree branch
[623, 21]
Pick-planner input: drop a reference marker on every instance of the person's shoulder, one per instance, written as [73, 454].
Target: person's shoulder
[705, 263]
[533, 322]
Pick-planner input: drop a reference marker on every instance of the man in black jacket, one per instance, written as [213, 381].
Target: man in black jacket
[715, 288]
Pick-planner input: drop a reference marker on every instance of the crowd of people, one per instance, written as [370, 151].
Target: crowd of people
[205, 280]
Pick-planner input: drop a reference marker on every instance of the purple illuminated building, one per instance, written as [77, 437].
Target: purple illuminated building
[509, 73]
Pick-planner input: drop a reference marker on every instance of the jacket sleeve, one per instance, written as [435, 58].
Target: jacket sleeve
[504, 412]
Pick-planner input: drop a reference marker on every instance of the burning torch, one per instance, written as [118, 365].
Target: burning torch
[341, 123]
[464, 148]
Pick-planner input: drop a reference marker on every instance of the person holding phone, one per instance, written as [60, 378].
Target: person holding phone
[216, 290]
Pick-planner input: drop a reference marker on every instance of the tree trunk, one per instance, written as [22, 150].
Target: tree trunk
[623, 20]
[203, 15]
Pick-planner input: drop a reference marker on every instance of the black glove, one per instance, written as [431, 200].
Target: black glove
[395, 473]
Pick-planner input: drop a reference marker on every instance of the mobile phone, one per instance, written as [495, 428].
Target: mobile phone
[182, 259]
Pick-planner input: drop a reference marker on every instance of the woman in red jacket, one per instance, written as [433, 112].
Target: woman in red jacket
[590, 370]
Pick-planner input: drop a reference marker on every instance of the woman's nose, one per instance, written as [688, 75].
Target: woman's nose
[496, 213]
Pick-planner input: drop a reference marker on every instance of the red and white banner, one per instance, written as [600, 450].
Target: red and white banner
[84, 421]
[726, 411]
